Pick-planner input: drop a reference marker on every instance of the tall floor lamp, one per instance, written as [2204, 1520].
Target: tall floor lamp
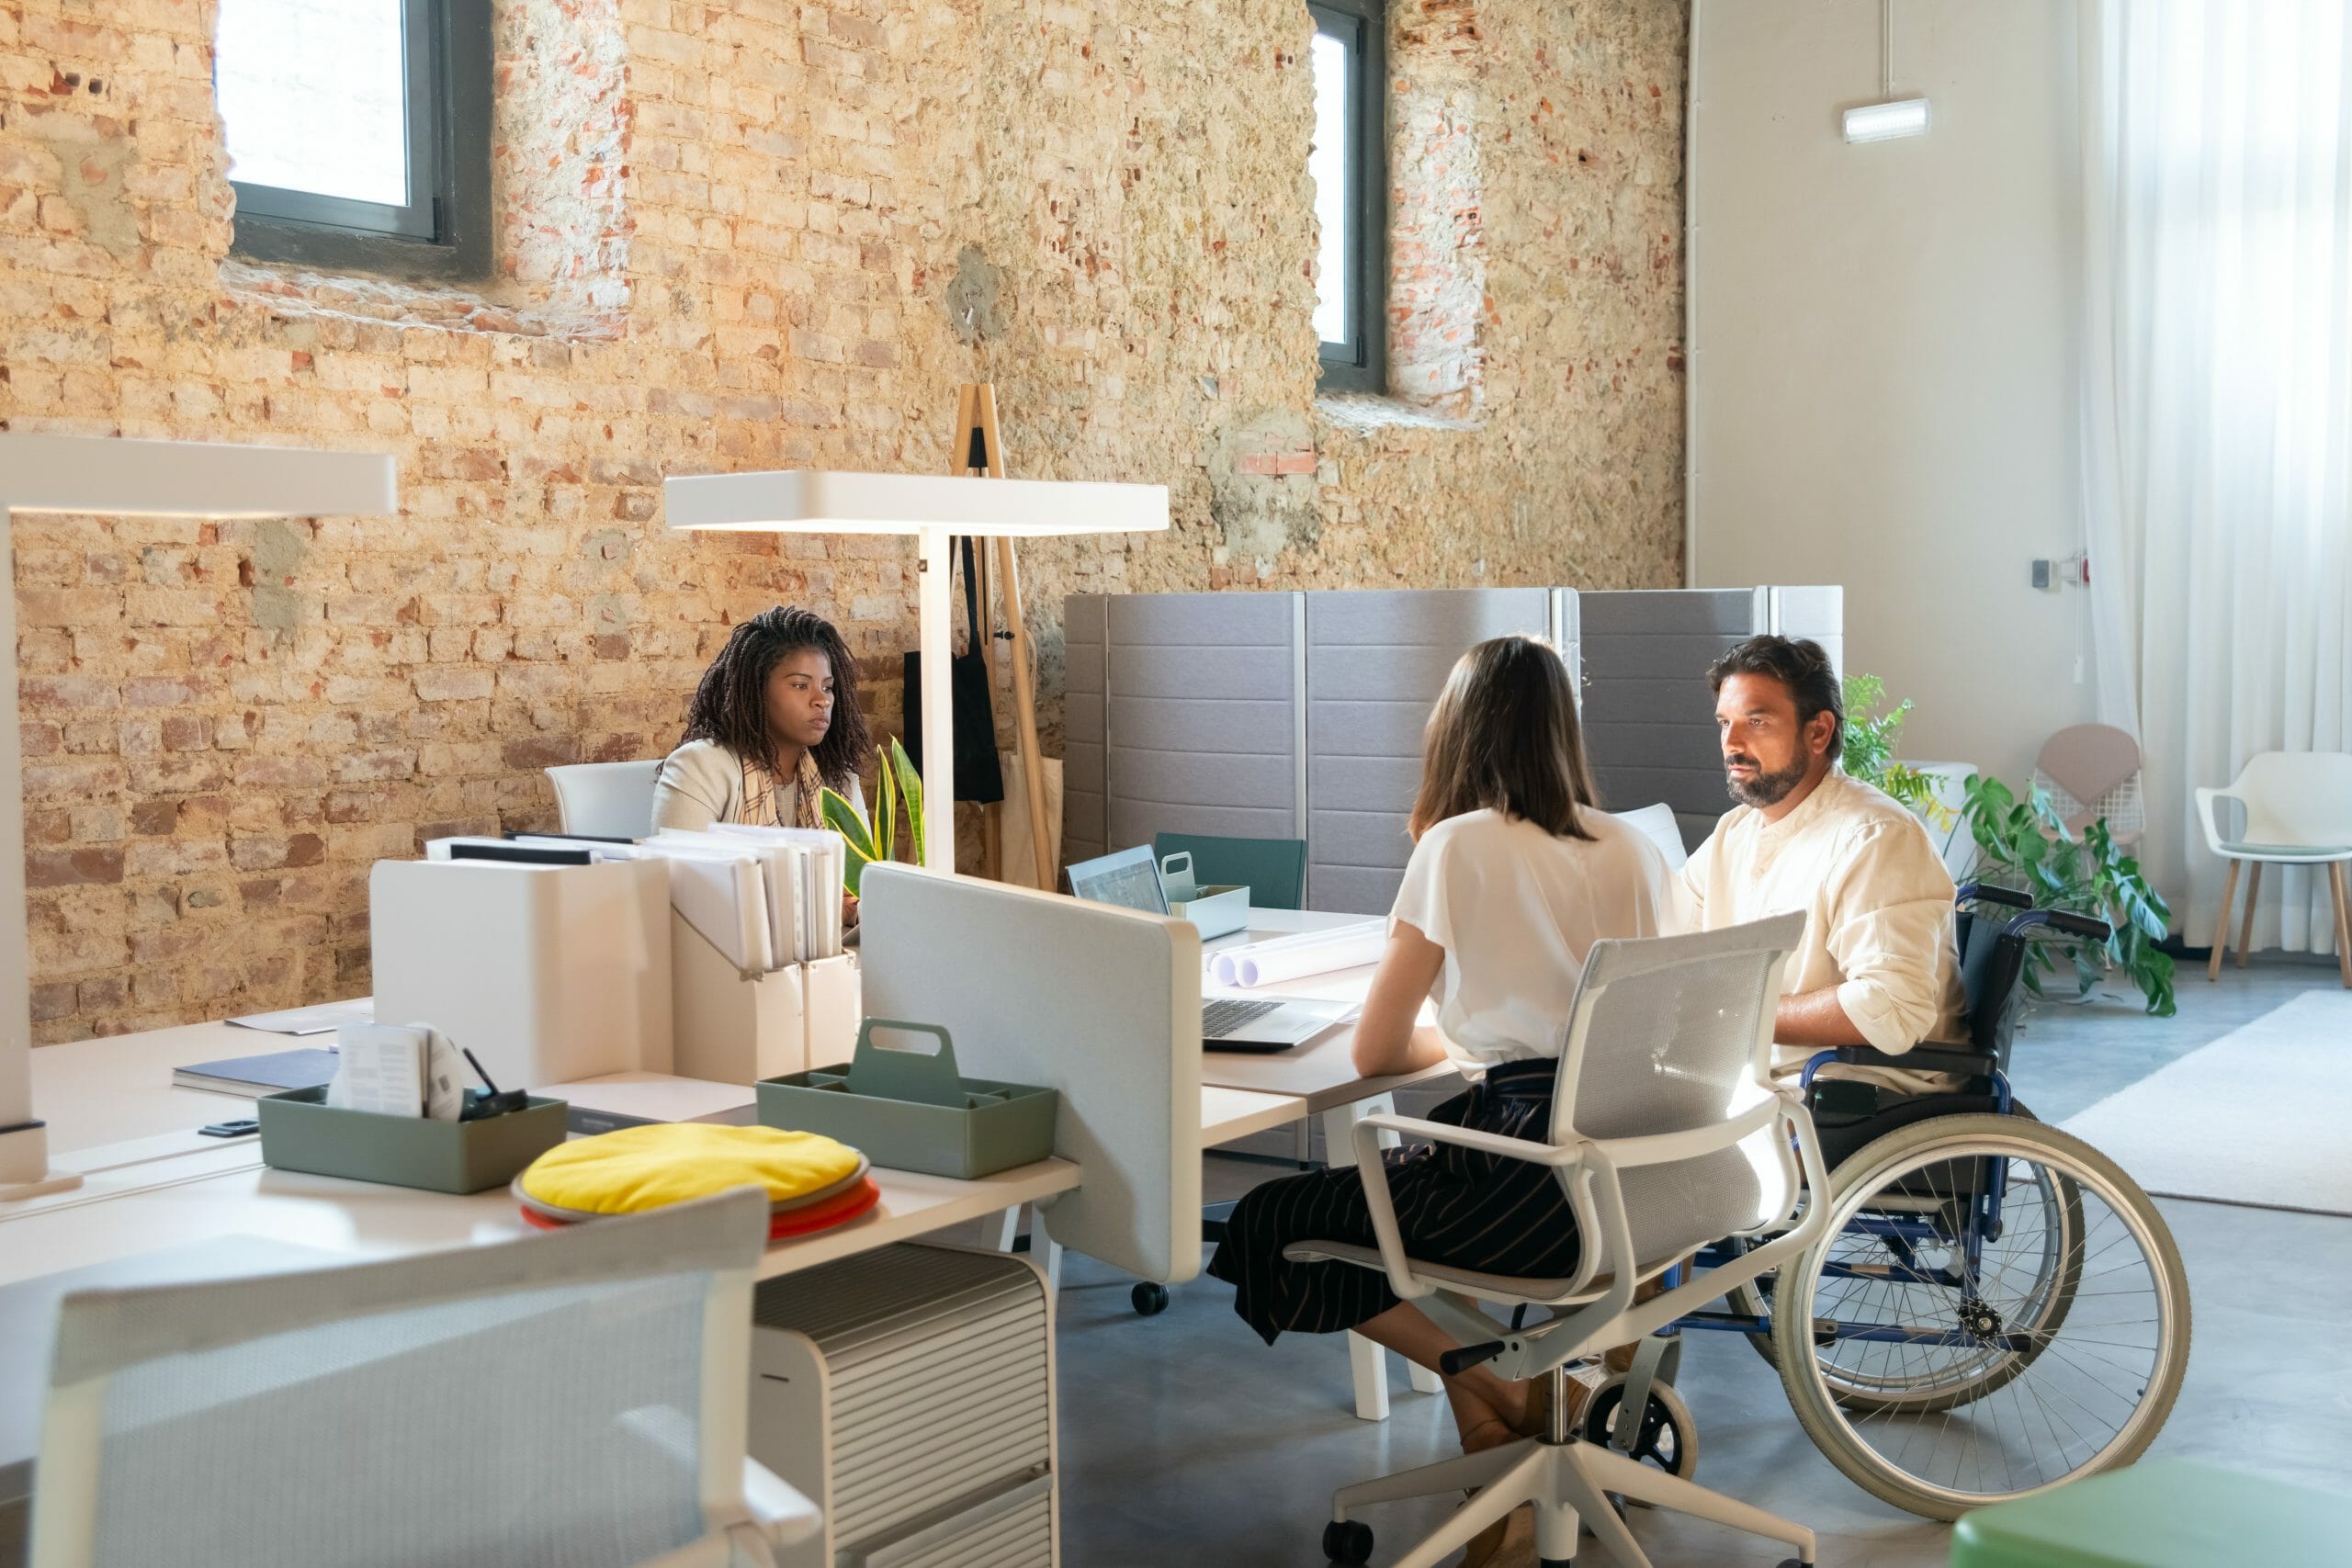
[121, 477]
[934, 509]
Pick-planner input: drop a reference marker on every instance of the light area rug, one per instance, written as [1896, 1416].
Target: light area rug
[2260, 1117]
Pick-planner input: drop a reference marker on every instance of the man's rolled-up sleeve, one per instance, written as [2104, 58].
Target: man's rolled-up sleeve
[1891, 934]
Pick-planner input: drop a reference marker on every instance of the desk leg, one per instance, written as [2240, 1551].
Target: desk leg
[1367, 1366]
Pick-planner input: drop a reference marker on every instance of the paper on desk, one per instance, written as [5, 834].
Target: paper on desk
[1306, 952]
[381, 1067]
[323, 1019]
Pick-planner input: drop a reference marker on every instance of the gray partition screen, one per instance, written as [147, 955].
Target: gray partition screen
[1300, 715]
[1376, 662]
[1183, 715]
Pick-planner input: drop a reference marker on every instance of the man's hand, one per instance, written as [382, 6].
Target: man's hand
[1815, 1018]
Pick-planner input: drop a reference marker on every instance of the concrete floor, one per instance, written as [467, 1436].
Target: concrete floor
[1184, 1441]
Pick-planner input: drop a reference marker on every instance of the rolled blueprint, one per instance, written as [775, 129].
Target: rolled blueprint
[1308, 953]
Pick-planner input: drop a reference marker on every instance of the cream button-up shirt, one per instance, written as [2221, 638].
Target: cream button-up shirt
[1878, 911]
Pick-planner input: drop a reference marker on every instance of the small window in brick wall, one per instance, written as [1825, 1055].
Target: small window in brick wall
[358, 133]
[1348, 163]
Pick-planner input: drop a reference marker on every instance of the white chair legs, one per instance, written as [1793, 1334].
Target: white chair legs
[1008, 1231]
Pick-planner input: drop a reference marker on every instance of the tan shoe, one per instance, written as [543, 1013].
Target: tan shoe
[1508, 1542]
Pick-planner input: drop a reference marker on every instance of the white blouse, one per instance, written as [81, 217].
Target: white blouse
[1516, 909]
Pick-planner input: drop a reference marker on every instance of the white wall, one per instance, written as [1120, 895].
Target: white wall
[1882, 348]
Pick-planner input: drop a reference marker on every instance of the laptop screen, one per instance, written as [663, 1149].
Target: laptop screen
[1129, 878]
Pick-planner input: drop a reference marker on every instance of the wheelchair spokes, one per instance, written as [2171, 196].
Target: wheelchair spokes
[1998, 1309]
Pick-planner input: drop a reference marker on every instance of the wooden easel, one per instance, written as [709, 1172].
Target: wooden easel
[977, 450]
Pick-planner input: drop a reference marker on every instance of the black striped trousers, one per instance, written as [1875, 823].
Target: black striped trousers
[1454, 1205]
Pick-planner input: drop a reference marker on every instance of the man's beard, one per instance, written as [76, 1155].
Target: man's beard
[1764, 789]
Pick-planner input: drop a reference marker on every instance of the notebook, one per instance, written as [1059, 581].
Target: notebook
[254, 1076]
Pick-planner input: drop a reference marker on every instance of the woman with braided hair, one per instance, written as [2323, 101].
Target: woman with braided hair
[774, 717]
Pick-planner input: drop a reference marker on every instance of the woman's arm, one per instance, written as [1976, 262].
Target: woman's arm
[1390, 1037]
[690, 792]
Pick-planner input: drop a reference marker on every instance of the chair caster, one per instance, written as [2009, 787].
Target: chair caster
[1148, 1300]
[1347, 1542]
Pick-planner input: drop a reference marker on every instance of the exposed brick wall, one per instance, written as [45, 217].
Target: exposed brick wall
[758, 233]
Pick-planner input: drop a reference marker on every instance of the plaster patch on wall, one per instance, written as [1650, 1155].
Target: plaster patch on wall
[94, 157]
[975, 298]
[1262, 489]
[278, 548]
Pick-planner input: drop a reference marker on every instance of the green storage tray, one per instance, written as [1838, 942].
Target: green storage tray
[1218, 910]
[910, 1110]
[300, 1132]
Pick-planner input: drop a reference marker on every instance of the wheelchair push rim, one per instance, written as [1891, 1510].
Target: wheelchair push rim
[2007, 1367]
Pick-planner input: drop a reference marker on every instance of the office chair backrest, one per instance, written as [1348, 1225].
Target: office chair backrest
[605, 800]
[1274, 870]
[576, 1399]
[1670, 1039]
[2297, 799]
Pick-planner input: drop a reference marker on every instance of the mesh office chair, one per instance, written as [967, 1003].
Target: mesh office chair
[1667, 1132]
[577, 1399]
[1274, 870]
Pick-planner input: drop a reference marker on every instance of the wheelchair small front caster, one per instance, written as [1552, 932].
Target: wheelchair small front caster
[1347, 1542]
[1148, 1299]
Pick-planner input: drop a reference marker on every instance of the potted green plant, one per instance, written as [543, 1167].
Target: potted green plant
[898, 797]
[1868, 752]
[2026, 844]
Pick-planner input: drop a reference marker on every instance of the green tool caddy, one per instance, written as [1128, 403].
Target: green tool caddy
[2160, 1514]
[300, 1132]
[908, 1109]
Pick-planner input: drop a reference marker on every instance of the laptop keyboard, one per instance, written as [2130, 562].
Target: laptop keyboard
[1223, 1015]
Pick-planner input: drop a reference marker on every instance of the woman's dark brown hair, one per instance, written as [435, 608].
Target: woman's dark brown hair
[1504, 736]
[730, 705]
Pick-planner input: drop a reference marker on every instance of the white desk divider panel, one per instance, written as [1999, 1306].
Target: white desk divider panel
[1176, 709]
[1101, 1003]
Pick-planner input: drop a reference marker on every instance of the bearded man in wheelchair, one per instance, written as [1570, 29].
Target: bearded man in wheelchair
[1994, 1307]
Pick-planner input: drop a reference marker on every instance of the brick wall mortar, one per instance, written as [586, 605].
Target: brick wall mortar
[226, 723]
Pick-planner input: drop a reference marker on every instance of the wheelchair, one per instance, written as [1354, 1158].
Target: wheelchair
[1995, 1307]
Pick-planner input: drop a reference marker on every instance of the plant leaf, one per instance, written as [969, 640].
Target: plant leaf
[910, 789]
[842, 818]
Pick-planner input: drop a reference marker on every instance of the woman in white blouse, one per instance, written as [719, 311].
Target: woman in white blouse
[774, 720]
[1514, 874]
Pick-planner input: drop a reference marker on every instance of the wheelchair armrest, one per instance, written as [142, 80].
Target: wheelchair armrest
[2064, 921]
[1922, 1058]
[1990, 893]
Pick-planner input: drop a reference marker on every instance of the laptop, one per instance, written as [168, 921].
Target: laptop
[1130, 879]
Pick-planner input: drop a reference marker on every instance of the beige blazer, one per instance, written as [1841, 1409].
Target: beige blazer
[702, 783]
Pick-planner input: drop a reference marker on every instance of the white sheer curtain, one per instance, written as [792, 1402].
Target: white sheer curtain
[2217, 152]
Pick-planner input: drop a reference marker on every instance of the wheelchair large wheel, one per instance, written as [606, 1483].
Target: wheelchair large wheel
[2010, 1311]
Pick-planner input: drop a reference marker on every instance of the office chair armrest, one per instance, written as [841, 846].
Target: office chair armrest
[1470, 1138]
[1366, 1137]
[2206, 819]
[777, 1505]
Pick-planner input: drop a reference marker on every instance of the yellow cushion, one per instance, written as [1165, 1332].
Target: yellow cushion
[637, 1168]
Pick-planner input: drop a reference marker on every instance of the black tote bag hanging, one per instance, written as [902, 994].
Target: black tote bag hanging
[979, 776]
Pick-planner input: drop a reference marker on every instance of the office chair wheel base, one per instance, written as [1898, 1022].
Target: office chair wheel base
[1148, 1300]
[1347, 1542]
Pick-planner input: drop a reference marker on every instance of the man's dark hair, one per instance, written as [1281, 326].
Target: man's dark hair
[730, 705]
[1798, 663]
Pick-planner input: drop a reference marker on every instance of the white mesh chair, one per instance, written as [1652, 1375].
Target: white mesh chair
[605, 800]
[2297, 809]
[576, 1400]
[1668, 1133]
[1658, 825]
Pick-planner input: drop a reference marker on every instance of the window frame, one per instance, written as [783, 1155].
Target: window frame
[444, 231]
[1360, 365]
